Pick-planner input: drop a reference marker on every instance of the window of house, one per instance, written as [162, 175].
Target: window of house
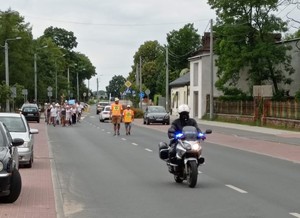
[195, 74]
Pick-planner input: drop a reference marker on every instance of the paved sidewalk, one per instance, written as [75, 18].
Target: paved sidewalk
[37, 198]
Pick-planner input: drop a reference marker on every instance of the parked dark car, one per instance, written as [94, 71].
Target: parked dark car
[156, 114]
[10, 178]
[31, 112]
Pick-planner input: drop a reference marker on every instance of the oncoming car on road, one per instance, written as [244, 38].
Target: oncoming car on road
[156, 114]
[18, 127]
[105, 114]
[10, 178]
[101, 105]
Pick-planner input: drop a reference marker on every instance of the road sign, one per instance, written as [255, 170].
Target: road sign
[49, 89]
[147, 92]
[13, 92]
[142, 94]
[49, 94]
[84, 94]
[24, 92]
[128, 84]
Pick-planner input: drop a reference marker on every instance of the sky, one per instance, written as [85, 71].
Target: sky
[110, 32]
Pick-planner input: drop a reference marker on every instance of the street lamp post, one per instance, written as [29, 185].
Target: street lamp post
[7, 68]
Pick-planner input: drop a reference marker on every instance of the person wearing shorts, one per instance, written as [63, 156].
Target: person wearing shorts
[128, 116]
[116, 113]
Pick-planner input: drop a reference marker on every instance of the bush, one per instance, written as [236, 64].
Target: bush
[138, 113]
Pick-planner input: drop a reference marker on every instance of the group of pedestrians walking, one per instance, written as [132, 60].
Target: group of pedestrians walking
[117, 114]
[64, 115]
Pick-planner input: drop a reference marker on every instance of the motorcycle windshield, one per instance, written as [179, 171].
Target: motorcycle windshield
[190, 133]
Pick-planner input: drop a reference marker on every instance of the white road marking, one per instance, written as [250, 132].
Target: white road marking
[134, 144]
[295, 215]
[199, 172]
[236, 189]
[124, 139]
[147, 149]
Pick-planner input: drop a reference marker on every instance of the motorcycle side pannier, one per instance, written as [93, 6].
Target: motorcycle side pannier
[163, 150]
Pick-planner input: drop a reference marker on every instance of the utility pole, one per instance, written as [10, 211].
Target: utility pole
[211, 72]
[167, 79]
[98, 89]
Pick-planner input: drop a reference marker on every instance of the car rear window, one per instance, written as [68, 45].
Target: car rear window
[14, 124]
[30, 109]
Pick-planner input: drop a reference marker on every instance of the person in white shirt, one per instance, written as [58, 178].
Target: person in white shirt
[53, 114]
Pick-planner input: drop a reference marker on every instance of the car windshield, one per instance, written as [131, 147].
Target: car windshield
[157, 110]
[14, 124]
[107, 109]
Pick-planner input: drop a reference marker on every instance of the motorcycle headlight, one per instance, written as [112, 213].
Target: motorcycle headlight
[1, 166]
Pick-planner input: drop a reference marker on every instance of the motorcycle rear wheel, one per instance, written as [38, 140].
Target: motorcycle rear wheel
[192, 174]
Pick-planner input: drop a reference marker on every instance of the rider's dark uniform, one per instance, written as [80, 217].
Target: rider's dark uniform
[176, 127]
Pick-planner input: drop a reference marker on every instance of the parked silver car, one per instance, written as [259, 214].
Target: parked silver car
[19, 128]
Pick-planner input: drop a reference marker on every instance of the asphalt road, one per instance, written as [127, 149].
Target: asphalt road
[101, 175]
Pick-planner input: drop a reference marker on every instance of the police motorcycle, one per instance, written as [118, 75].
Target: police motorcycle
[188, 155]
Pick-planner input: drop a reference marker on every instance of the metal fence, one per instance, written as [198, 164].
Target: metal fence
[265, 107]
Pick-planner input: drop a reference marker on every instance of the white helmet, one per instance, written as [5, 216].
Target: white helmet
[183, 108]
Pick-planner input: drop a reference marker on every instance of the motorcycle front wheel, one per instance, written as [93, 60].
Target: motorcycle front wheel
[178, 179]
[192, 174]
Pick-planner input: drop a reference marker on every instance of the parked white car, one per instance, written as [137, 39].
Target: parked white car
[105, 114]
[18, 127]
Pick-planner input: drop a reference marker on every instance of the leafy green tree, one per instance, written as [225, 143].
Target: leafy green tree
[152, 59]
[181, 44]
[116, 86]
[20, 60]
[61, 37]
[245, 39]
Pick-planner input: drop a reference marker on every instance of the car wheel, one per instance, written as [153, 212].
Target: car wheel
[38, 120]
[148, 122]
[29, 165]
[15, 188]
[144, 121]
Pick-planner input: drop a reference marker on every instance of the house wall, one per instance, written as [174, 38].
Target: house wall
[179, 95]
[203, 88]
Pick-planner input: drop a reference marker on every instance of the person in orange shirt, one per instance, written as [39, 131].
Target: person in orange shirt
[128, 117]
[116, 113]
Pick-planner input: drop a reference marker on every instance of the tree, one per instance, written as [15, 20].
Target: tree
[152, 58]
[61, 37]
[116, 86]
[245, 33]
[20, 61]
[181, 43]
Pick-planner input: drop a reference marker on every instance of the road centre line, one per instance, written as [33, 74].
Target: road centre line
[134, 144]
[236, 189]
[124, 139]
[295, 215]
[147, 149]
